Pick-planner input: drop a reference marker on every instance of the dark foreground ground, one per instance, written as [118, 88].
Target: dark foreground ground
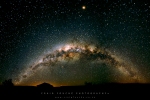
[93, 92]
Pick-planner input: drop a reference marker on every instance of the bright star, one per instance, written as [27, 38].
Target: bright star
[83, 7]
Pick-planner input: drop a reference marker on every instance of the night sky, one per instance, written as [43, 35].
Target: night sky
[70, 42]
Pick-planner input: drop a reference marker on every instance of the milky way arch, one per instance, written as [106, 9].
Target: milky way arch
[83, 53]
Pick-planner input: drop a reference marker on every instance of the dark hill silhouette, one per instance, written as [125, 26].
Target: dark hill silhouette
[45, 85]
[88, 83]
[7, 88]
[7, 83]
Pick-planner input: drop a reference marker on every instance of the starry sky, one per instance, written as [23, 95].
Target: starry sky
[70, 42]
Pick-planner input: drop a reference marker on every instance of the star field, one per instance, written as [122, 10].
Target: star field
[72, 42]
